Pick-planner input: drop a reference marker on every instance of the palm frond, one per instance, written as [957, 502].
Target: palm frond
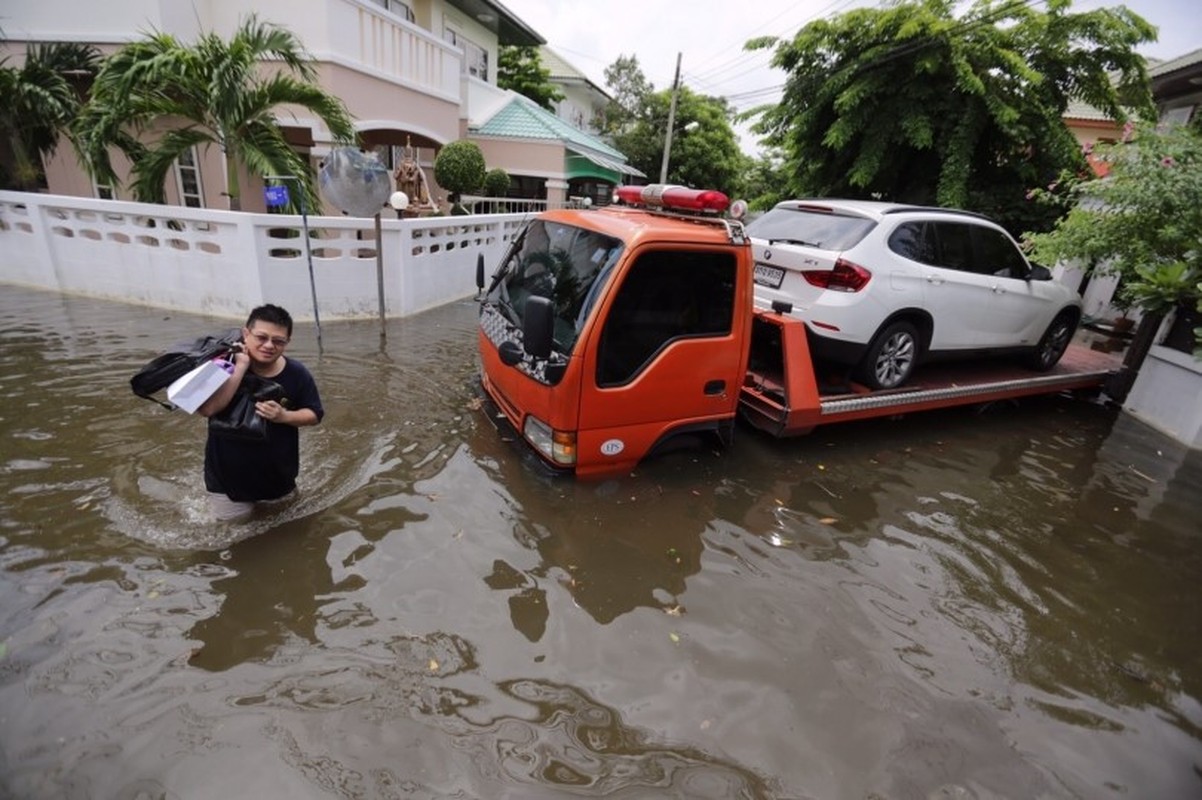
[151, 170]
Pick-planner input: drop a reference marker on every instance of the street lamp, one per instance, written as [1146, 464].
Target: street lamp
[399, 201]
[663, 168]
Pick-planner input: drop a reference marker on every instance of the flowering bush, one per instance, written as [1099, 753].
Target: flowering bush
[1143, 221]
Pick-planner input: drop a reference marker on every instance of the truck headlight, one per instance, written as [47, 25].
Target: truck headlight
[558, 446]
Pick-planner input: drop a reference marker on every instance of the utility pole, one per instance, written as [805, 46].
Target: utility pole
[300, 191]
[663, 167]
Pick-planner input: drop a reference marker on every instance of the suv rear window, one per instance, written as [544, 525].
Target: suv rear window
[820, 229]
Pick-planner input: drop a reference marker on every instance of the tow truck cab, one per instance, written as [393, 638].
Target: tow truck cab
[605, 333]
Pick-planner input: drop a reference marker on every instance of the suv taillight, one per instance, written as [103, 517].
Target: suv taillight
[845, 277]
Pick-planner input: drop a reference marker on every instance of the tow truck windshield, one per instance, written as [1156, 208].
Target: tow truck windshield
[566, 264]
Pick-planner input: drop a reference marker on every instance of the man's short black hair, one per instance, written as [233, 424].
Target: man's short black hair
[272, 314]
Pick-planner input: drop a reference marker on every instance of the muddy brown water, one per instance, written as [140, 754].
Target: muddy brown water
[997, 603]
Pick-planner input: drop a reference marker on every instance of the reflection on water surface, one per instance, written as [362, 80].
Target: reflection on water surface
[996, 603]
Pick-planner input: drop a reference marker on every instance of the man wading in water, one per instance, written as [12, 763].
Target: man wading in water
[241, 472]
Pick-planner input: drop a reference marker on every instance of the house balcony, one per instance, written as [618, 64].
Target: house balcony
[363, 37]
[355, 34]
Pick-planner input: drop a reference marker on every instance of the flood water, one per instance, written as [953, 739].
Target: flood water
[1003, 603]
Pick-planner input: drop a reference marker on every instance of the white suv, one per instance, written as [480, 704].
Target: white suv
[882, 287]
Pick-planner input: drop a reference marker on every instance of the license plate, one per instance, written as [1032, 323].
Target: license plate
[769, 276]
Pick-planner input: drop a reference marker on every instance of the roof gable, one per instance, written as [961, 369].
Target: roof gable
[522, 118]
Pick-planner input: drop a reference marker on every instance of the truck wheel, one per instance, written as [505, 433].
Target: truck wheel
[891, 357]
[1053, 344]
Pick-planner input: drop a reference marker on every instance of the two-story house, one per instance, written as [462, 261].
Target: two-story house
[414, 74]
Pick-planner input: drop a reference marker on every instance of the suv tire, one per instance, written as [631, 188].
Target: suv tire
[1054, 342]
[891, 357]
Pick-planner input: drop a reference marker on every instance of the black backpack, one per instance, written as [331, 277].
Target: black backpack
[164, 369]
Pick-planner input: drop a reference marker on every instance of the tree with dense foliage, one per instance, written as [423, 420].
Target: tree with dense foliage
[1143, 221]
[520, 69]
[705, 150]
[156, 98]
[38, 103]
[629, 89]
[458, 168]
[764, 181]
[910, 103]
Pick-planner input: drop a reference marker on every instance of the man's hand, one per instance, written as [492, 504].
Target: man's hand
[271, 411]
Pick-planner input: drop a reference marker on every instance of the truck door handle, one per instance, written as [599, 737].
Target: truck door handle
[715, 387]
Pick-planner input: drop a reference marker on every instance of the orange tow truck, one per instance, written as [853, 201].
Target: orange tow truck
[605, 334]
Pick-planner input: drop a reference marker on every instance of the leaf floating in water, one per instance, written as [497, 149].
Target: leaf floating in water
[674, 611]
[828, 520]
[475, 404]
[152, 594]
[675, 637]
[705, 724]
[434, 665]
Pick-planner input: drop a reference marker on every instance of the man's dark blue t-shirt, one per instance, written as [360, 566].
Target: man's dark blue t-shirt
[250, 471]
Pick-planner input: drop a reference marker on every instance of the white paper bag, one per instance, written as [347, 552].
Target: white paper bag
[192, 389]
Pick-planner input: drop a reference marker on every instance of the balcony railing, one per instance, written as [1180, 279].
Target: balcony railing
[360, 35]
[397, 49]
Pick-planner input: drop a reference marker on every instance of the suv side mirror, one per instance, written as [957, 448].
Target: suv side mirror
[1040, 273]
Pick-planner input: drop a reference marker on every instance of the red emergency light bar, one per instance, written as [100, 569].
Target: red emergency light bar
[673, 197]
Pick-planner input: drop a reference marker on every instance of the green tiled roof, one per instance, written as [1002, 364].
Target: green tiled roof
[522, 118]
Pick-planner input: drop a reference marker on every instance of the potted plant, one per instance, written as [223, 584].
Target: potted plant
[1173, 288]
[1122, 303]
[459, 168]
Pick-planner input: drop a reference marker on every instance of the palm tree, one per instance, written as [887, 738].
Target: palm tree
[38, 102]
[156, 98]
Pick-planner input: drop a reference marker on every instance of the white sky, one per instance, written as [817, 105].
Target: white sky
[709, 35]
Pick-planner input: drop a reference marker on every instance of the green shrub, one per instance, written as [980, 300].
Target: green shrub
[459, 168]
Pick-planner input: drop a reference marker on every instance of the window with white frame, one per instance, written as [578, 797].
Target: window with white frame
[187, 177]
[475, 57]
[402, 10]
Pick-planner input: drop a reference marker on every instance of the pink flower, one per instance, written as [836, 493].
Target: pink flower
[1128, 131]
[1168, 161]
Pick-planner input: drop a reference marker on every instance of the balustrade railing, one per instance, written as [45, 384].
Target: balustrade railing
[223, 262]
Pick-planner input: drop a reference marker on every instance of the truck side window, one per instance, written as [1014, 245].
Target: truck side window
[666, 295]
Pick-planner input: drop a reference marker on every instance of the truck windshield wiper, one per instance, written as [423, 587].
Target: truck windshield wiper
[801, 242]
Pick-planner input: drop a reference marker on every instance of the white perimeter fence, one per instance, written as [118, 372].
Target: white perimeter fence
[222, 263]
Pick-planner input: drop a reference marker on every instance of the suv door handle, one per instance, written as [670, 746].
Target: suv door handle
[715, 387]
[935, 279]
[996, 289]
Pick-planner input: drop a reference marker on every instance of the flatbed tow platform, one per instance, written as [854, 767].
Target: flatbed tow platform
[791, 402]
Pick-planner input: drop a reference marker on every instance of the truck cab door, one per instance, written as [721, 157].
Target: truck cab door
[669, 354]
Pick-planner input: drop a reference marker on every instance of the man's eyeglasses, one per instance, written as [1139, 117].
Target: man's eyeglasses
[263, 338]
